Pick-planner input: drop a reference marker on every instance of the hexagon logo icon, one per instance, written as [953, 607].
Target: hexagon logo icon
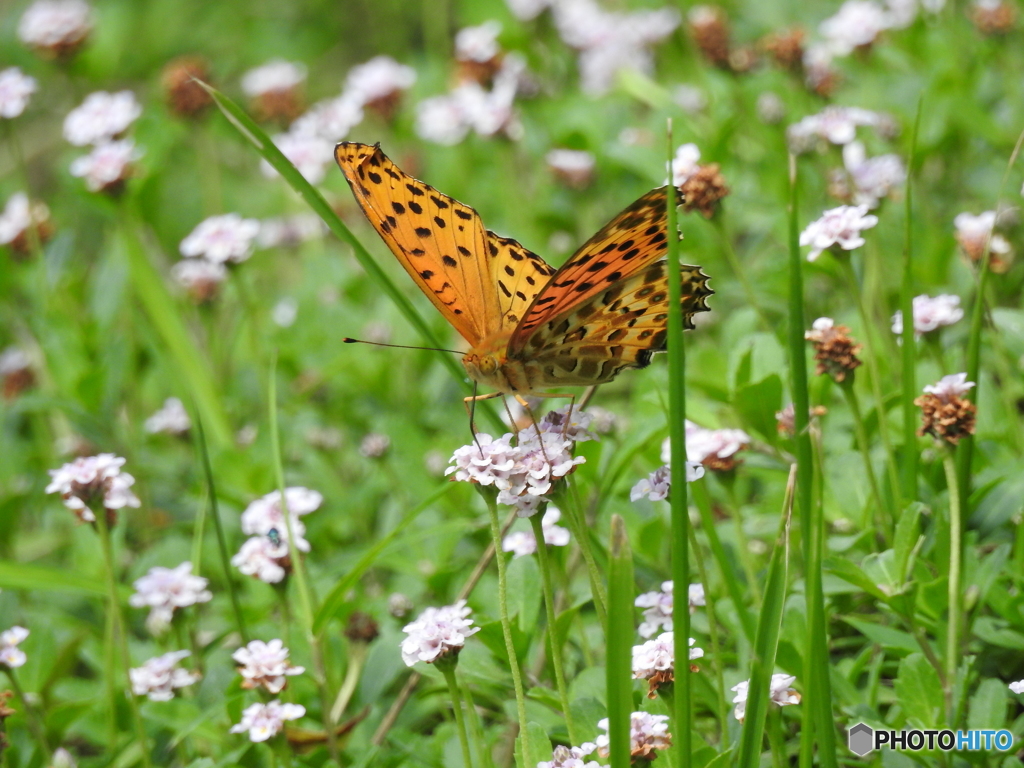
[860, 738]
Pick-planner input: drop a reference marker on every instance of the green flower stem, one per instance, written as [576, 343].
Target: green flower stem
[543, 557]
[716, 653]
[776, 738]
[874, 376]
[568, 500]
[118, 627]
[728, 479]
[618, 666]
[506, 625]
[955, 543]
[448, 670]
[35, 723]
[356, 658]
[306, 609]
[884, 525]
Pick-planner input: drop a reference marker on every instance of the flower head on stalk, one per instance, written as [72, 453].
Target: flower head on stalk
[56, 29]
[17, 221]
[101, 117]
[658, 607]
[11, 656]
[159, 677]
[1017, 687]
[478, 52]
[437, 633]
[264, 721]
[108, 166]
[15, 89]
[172, 419]
[184, 96]
[266, 555]
[945, 414]
[833, 125]
[378, 85]
[265, 664]
[93, 480]
[647, 735]
[164, 590]
[930, 314]
[275, 89]
[221, 239]
[571, 757]
[786, 418]
[200, 278]
[654, 661]
[838, 229]
[572, 167]
[523, 543]
[834, 350]
[16, 374]
[872, 178]
[780, 692]
[973, 232]
[714, 449]
[656, 486]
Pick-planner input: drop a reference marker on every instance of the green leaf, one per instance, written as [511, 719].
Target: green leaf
[539, 743]
[40, 578]
[996, 632]
[919, 691]
[987, 709]
[524, 589]
[758, 403]
[885, 636]
[620, 644]
[905, 538]
[850, 572]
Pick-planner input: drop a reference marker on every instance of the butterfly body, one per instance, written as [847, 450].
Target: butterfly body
[530, 327]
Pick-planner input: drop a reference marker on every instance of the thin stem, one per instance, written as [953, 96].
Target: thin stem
[543, 557]
[35, 724]
[356, 657]
[776, 738]
[448, 670]
[874, 376]
[884, 526]
[120, 635]
[955, 535]
[716, 653]
[506, 625]
[569, 501]
[301, 579]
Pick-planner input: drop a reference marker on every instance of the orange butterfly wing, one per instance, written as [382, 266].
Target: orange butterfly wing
[480, 282]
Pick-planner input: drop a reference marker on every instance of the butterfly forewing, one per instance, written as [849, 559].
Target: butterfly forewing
[624, 246]
[519, 275]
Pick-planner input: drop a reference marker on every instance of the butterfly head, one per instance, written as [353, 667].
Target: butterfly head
[488, 364]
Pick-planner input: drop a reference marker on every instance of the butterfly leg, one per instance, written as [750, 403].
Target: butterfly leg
[470, 403]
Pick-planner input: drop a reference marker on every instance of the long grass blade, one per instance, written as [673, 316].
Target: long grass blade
[620, 644]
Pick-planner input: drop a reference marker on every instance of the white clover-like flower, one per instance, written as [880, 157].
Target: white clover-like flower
[972, 232]
[62, 759]
[658, 656]
[571, 757]
[265, 517]
[90, 479]
[708, 445]
[55, 24]
[379, 78]
[1017, 687]
[437, 632]
[685, 163]
[308, 152]
[159, 677]
[835, 124]
[329, 120]
[647, 734]
[264, 558]
[264, 721]
[575, 166]
[199, 277]
[857, 23]
[172, 419]
[265, 664]
[569, 421]
[657, 484]
[440, 119]
[840, 227]
[18, 215]
[689, 98]
[658, 607]
[819, 325]
[101, 117]
[490, 112]
[274, 76]
[948, 387]
[525, 10]
[164, 590]
[11, 656]
[479, 43]
[522, 543]
[15, 89]
[106, 165]
[374, 445]
[930, 314]
[221, 239]
[770, 108]
[873, 178]
[289, 231]
[14, 360]
[285, 312]
[780, 692]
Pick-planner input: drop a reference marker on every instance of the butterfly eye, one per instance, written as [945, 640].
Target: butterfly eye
[488, 364]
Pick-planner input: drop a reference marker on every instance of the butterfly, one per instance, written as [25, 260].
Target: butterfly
[530, 326]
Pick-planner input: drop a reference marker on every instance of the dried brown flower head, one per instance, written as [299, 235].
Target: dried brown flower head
[786, 418]
[185, 97]
[834, 350]
[945, 414]
[703, 190]
[743, 59]
[786, 47]
[710, 29]
[361, 628]
[993, 17]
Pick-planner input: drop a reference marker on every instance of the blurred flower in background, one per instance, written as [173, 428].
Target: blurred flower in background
[11, 656]
[15, 89]
[158, 678]
[275, 89]
[264, 721]
[56, 29]
[93, 480]
[164, 590]
[172, 419]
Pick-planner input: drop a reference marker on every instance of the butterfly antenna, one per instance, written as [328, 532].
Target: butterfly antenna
[472, 416]
[347, 340]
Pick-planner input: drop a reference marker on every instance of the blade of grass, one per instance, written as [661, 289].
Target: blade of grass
[965, 450]
[908, 351]
[818, 727]
[766, 643]
[678, 496]
[620, 645]
[269, 152]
